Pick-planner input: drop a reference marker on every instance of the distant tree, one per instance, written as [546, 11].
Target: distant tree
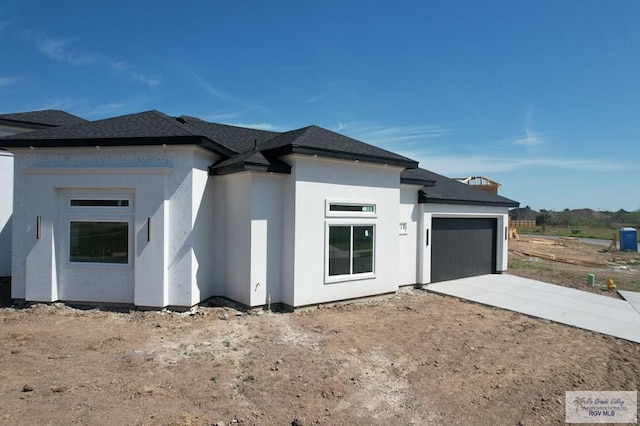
[543, 219]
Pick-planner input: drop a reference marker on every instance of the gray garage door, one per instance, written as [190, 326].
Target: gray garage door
[462, 248]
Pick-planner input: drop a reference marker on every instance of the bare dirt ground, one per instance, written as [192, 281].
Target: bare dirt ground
[622, 267]
[410, 358]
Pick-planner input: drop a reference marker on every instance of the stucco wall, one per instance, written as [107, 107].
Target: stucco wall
[6, 200]
[315, 181]
[252, 250]
[6, 208]
[408, 242]
[163, 184]
[237, 237]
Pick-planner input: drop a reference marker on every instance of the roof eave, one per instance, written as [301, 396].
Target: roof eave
[423, 199]
[279, 167]
[25, 124]
[341, 155]
[108, 142]
[422, 182]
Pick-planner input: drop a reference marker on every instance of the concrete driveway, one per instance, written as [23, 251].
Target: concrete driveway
[564, 305]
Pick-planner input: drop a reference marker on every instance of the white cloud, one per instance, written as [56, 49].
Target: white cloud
[64, 104]
[461, 165]
[221, 117]
[259, 126]
[105, 109]
[531, 139]
[383, 135]
[6, 81]
[133, 75]
[222, 95]
[312, 100]
[63, 50]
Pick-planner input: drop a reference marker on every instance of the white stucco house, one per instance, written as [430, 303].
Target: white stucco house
[153, 211]
[12, 124]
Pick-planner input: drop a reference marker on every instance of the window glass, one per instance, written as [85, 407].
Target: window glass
[350, 249]
[366, 208]
[99, 242]
[362, 249]
[99, 203]
[339, 250]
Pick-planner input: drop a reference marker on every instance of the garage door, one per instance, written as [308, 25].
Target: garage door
[462, 248]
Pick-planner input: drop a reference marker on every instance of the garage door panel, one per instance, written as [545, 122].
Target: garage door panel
[462, 248]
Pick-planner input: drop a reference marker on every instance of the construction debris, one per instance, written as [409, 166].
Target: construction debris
[521, 253]
[569, 242]
[614, 242]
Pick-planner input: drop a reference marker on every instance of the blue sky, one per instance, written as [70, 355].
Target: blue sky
[541, 96]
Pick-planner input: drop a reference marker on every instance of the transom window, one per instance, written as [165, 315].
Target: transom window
[348, 209]
[351, 249]
[79, 202]
[365, 208]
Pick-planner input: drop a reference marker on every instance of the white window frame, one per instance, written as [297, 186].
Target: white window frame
[368, 214]
[116, 214]
[330, 279]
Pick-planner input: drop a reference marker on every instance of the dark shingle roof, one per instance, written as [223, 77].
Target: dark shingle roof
[145, 128]
[243, 148]
[449, 191]
[155, 128]
[322, 142]
[237, 139]
[523, 213]
[250, 160]
[416, 177]
[41, 119]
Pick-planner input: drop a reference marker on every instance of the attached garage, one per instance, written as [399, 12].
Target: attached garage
[462, 247]
[460, 228]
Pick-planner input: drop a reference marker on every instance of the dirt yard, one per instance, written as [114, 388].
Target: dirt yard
[583, 259]
[411, 358]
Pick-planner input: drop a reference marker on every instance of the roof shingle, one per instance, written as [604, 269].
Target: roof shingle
[237, 139]
[316, 140]
[43, 118]
[450, 191]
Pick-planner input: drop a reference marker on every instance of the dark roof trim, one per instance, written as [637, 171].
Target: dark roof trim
[423, 199]
[129, 142]
[341, 155]
[25, 124]
[273, 167]
[416, 181]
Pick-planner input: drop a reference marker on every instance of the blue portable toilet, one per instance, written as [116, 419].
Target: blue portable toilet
[628, 239]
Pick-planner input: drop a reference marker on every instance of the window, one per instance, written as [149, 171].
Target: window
[351, 249]
[366, 208]
[99, 242]
[347, 209]
[99, 228]
[98, 203]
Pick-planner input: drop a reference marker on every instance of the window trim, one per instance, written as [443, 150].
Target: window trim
[331, 279]
[97, 214]
[88, 206]
[363, 203]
